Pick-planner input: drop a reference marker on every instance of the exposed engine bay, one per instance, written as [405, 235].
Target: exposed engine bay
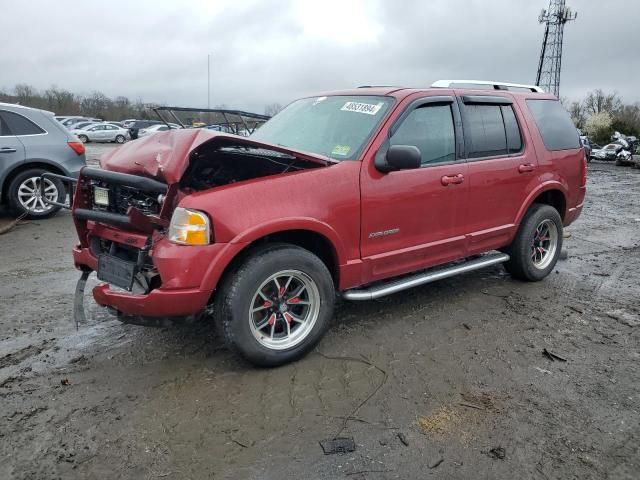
[213, 165]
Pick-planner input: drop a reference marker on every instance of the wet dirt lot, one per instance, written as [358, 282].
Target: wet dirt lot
[448, 380]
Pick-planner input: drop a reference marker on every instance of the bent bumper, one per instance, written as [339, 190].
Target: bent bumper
[157, 303]
[189, 277]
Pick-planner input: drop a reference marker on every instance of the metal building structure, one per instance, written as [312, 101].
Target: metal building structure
[550, 63]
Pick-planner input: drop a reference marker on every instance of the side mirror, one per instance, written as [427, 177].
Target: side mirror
[399, 157]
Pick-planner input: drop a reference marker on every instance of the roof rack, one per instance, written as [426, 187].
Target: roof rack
[484, 83]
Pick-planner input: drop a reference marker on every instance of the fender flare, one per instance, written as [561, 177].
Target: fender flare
[543, 187]
[246, 238]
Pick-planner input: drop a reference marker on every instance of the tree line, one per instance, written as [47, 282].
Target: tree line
[95, 105]
[64, 102]
[600, 114]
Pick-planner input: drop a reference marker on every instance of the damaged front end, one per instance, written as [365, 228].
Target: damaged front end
[127, 215]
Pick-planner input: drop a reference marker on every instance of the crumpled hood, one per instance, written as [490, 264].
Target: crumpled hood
[164, 156]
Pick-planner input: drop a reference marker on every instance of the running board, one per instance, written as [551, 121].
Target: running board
[425, 277]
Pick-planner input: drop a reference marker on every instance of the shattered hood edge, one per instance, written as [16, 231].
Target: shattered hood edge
[165, 156]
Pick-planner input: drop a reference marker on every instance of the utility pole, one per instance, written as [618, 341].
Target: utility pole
[550, 64]
[208, 80]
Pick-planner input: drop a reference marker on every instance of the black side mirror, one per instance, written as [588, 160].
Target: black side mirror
[399, 157]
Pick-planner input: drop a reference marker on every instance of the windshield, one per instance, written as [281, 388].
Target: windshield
[336, 127]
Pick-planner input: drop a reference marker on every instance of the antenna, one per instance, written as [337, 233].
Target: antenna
[550, 63]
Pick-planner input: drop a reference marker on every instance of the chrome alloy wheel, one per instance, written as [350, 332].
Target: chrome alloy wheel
[30, 194]
[544, 245]
[284, 309]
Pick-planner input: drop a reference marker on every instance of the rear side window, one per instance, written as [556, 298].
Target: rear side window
[554, 123]
[19, 125]
[485, 127]
[514, 138]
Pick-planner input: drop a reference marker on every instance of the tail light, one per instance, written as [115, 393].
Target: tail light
[583, 181]
[77, 147]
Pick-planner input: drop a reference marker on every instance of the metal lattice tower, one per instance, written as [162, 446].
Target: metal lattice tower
[551, 54]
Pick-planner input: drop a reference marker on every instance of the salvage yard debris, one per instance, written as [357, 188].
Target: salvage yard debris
[340, 445]
[553, 356]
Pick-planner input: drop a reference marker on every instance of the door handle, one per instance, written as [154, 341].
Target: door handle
[452, 179]
[526, 167]
[8, 150]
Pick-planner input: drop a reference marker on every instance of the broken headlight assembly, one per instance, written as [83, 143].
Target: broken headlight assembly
[189, 227]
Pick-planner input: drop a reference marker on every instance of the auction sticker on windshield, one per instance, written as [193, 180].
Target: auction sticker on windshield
[366, 108]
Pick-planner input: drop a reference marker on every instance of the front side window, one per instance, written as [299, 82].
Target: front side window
[19, 125]
[430, 128]
[335, 126]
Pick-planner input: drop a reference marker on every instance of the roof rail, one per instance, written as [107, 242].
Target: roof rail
[495, 85]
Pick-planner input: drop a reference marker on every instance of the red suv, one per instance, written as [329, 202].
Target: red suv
[360, 192]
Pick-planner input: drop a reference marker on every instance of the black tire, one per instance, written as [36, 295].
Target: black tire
[14, 201]
[521, 264]
[120, 139]
[234, 300]
[83, 138]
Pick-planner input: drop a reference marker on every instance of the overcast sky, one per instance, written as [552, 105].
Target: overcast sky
[277, 50]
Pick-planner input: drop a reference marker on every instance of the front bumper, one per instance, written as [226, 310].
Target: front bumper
[189, 276]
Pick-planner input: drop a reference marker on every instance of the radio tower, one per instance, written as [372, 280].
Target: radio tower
[551, 55]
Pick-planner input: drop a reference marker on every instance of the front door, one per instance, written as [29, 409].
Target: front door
[411, 219]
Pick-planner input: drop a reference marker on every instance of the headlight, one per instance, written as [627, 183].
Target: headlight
[189, 227]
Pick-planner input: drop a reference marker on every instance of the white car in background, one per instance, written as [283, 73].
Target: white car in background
[156, 128]
[102, 132]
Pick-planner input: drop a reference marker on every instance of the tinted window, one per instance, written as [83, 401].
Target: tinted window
[514, 139]
[554, 123]
[4, 128]
[486, 131]
[19, 125]
[430, 128]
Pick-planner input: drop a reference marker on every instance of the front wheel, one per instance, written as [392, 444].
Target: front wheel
[120, 139]
[276, 306]
[535, 250]
[83, 138]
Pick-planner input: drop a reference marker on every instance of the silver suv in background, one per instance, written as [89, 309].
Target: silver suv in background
[33, 142]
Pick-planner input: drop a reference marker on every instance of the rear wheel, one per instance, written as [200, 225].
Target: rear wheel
[535, 250]
[25, 194]
[276, 306]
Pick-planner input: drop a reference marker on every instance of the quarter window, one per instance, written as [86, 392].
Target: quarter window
[430, 128]
[19, 125]
[554, 123]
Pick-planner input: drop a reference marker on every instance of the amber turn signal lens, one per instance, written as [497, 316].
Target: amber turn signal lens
[189, 227]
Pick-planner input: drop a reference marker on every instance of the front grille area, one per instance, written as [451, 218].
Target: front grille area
[122, 197]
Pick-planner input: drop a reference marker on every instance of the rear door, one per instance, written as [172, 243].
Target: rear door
[12, 151]
[412, 219]
[502, 169]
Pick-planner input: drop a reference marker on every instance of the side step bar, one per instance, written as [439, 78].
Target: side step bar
[425, 277]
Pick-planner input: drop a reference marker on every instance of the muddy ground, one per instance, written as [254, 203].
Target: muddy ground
[444, 381]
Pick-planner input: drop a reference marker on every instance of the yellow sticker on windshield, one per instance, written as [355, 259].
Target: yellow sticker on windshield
[342, 150]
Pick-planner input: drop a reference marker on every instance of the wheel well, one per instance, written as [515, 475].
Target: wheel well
[554, 198]
[314, 242]
[22, 168]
